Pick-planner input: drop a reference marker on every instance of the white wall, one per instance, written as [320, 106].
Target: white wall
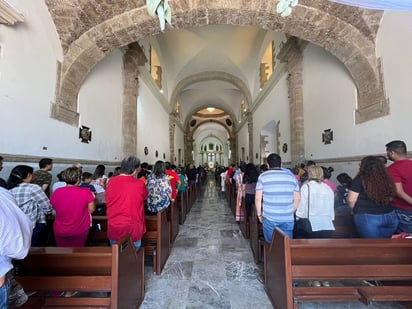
[101, 108]
[27, 78]
[275, 106]
[329, 97]
[153, 126]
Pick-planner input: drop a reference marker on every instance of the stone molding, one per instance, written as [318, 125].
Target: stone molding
[8, 15]
[291, 54]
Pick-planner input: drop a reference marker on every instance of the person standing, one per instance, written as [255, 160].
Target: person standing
[159, 189]
[74, 206]
[174, 179]
[279, 190]
[15, 234]
[317, 205]
[31, 200]
[401, 173]
[370, 195]
[42, 177]
[125, 204]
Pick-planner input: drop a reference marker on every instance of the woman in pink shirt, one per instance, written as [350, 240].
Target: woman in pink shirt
[73, 206]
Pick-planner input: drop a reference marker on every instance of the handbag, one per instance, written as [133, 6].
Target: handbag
[302, 225]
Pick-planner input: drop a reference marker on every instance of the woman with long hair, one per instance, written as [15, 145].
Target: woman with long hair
[32, 201]
[370, 195]
[249, 186]
[159, 189]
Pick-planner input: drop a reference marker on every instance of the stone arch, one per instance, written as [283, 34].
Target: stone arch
[354, 48]
[194, 111]
[212, 75]
[194, 129]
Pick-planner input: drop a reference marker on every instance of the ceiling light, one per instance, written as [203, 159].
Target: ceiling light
[210, 109]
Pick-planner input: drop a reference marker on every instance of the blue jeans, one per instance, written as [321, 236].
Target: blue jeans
[269, 227]
[405, 220]
[376, 226]
[4, 293]
[137, 244]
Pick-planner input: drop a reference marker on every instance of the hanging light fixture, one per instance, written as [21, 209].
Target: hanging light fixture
[210, 109]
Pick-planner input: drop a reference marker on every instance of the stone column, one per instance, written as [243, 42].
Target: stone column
[188, 149]
[249, 118]
[132, 59]
[292, 56]
[172, 125]
[233, 148]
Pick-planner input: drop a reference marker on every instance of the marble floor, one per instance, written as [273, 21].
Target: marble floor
[211, 265]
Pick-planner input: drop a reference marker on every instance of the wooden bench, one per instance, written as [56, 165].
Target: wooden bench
[245, 222]
[256, 238]
[288, 261]
[108, 277]
[173, 218]
[98, 232]
[156, 240]
[181, 202]
[344, 226]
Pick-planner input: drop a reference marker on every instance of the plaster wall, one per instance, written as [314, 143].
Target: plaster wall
[152, 126]
[29, 52]
[274, 107]
[100, 108]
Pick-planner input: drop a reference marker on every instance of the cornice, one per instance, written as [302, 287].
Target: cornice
[8, 15]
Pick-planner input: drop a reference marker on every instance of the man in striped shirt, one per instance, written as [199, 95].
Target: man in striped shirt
[279, 190]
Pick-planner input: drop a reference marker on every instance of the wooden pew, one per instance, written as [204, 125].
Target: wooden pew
[181, 202]
[108, 277]
[256, 238]
[245, 223]
[98, 232]
[344, 226]
[156, 240]
[290, 260]
[173, 218]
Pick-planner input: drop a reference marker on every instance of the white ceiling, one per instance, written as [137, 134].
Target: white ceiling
[230, 49]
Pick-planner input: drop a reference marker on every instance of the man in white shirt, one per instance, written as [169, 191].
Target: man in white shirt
[15, 234]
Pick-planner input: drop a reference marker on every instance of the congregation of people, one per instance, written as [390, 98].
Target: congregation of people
[129, 193]
[301, 201]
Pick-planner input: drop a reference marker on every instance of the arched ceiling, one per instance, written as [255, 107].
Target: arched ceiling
[214, 65]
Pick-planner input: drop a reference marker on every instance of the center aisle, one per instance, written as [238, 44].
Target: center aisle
[210, 265]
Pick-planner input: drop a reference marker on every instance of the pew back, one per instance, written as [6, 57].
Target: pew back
[116, 270]
[288, 260]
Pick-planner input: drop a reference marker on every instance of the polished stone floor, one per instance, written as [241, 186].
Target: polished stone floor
[211, 265]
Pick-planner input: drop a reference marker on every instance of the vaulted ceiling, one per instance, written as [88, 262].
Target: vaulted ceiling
[211, 55]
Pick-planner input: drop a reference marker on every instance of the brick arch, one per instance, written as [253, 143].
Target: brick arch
[352, 47]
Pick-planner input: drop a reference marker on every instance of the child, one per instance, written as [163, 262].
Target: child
[86, 182]
[341, 204]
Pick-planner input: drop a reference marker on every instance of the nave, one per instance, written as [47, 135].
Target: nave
[211, 265]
